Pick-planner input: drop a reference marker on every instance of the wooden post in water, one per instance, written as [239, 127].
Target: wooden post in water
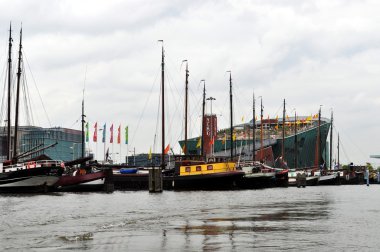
[155, 179]
[109, 186]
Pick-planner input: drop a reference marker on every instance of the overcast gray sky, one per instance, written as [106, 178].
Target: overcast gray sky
[311, 53]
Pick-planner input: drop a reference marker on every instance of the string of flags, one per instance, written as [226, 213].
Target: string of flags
[104, 133]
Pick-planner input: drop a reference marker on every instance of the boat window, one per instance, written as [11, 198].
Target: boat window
[198, 168]
[187, 169]
[209, 167]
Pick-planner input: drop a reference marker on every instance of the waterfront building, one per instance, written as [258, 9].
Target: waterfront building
[300, 149]
[68, 141]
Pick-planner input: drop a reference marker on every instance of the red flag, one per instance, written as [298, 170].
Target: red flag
[95, 138]
[167, 149]
[211, 141]
[111, 137]
[118, 135]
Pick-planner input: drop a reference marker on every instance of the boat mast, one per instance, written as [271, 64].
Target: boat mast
[338, 153]
[254, 128]
[317, 159]
[203, 117]
[9, 94]
[231, 119]
[14, 156]
[331, 139]
[283, 133]
[295, 141]
[83, 121]
[163, 107]
[186, 104]
[261, 130]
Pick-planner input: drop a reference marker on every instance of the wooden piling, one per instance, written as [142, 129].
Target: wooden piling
[301, 180]
[109, 186]
[155, 179]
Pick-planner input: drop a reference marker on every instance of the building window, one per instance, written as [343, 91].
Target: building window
[198, 168]
[209, 167]
[187, 169]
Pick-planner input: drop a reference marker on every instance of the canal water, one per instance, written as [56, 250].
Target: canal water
[334, 218]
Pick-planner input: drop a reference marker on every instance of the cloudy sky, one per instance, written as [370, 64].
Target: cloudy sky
[311, 53]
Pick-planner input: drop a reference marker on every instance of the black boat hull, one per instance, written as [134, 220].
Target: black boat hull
[40, 179]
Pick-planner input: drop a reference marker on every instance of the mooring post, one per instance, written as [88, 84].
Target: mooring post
[109, 186]
[155, 179]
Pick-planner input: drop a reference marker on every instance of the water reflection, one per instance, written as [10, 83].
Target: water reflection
[257, 221]
[287, 219]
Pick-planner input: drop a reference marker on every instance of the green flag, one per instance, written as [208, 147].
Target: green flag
[126, 135]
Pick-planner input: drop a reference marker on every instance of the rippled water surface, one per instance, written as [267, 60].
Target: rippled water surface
[336, 218]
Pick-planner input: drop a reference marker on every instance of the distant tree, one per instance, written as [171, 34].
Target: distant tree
[345, 167]
[369, 166]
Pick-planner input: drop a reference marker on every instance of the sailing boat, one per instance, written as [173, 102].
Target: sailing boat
[85, 178]
[256, 174]
[32, 176]
[329, 177]
[189, 172]
[310, 175]
[193, 172]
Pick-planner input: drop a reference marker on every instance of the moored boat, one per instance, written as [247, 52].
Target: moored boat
[82, 179]
[30, 177]
[190, 174]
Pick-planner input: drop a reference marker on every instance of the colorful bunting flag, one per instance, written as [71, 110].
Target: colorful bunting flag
[111, 134]
[199, 143]
[126, 135]
[118, 135]
[224, 138]
[95, 137]
[104, 133]
[167, 149]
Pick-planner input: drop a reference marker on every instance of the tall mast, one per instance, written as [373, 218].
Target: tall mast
[295, 141]
[283, 133]
[231, 119]
[254, 128]
[331, 139]
[338, 153]
[9, 94]
[261, 130]
[186, 104]
[318, 145]
[83, 121]
[14, 156]
[203, 116]
[163, 107]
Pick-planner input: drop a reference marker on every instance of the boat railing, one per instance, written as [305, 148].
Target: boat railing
[48, 163]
